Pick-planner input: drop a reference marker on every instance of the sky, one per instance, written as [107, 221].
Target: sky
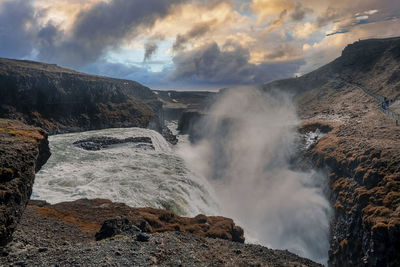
[191, 44]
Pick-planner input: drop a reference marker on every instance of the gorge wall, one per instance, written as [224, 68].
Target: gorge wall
[61, 100]
[23, 150]
[362, 151]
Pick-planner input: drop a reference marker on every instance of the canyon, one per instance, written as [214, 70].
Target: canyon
[360, 150]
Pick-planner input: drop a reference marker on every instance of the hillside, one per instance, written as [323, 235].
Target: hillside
[362, 150]
[61, 100]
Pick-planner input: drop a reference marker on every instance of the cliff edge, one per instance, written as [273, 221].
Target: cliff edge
[23, 150]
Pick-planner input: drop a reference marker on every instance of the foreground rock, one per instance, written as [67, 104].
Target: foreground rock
[113, 227]
[23, 150]
[49, 241]
[89, 215]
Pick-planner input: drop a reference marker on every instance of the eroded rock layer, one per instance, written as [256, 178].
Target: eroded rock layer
[23, 150]
[61, 100]
[361, 151]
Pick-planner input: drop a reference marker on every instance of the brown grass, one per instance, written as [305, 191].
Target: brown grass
[85, 226]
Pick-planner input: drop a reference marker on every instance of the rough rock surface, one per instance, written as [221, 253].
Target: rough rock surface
[175, 103]
[190, 123]
[362, 150]
[188, 108]
[118, 226]
[23, 150]
[61, 100]
[89, 214]
[102, 142]
[169, 136]
[47, 241]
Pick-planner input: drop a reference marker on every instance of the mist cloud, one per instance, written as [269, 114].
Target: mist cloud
[249, 137]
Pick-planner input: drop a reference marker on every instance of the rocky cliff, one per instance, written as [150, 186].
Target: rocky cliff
[176, 103]
[60, 100]
[23, 150]
[362, 150]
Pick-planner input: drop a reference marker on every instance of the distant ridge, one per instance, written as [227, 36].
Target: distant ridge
[61, 100]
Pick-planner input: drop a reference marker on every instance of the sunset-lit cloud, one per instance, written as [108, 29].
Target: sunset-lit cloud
[191, 43]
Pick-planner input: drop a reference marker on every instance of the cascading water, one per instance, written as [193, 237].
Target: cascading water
[126, 173]
[249, 138]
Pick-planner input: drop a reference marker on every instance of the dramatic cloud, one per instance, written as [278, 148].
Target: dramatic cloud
[167, 39]
[282, 52]
[300, 12]
[105, 26]
[197, 31]
[278, 22]
[227, 66]
[270, 8]
[16, 19]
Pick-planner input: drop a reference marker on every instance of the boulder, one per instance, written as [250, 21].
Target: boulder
[116, 226]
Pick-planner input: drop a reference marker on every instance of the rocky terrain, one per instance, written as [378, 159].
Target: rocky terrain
[23, 150]
[65, 234]
[89, 215]
[176, 103]
[188, 108]
[361, 150]
[61, 100]
[47, 240]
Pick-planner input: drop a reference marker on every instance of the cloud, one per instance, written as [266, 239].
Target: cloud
[270, 8]
[259, 34]
[198, 30]
[278, 22]
[347, 24]
[300, 12]
[282, 52]
[104, 26]
[371, 12]
[330, 47]
[328, 16]
[229, 65]
[150, 49]
[16, 36]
